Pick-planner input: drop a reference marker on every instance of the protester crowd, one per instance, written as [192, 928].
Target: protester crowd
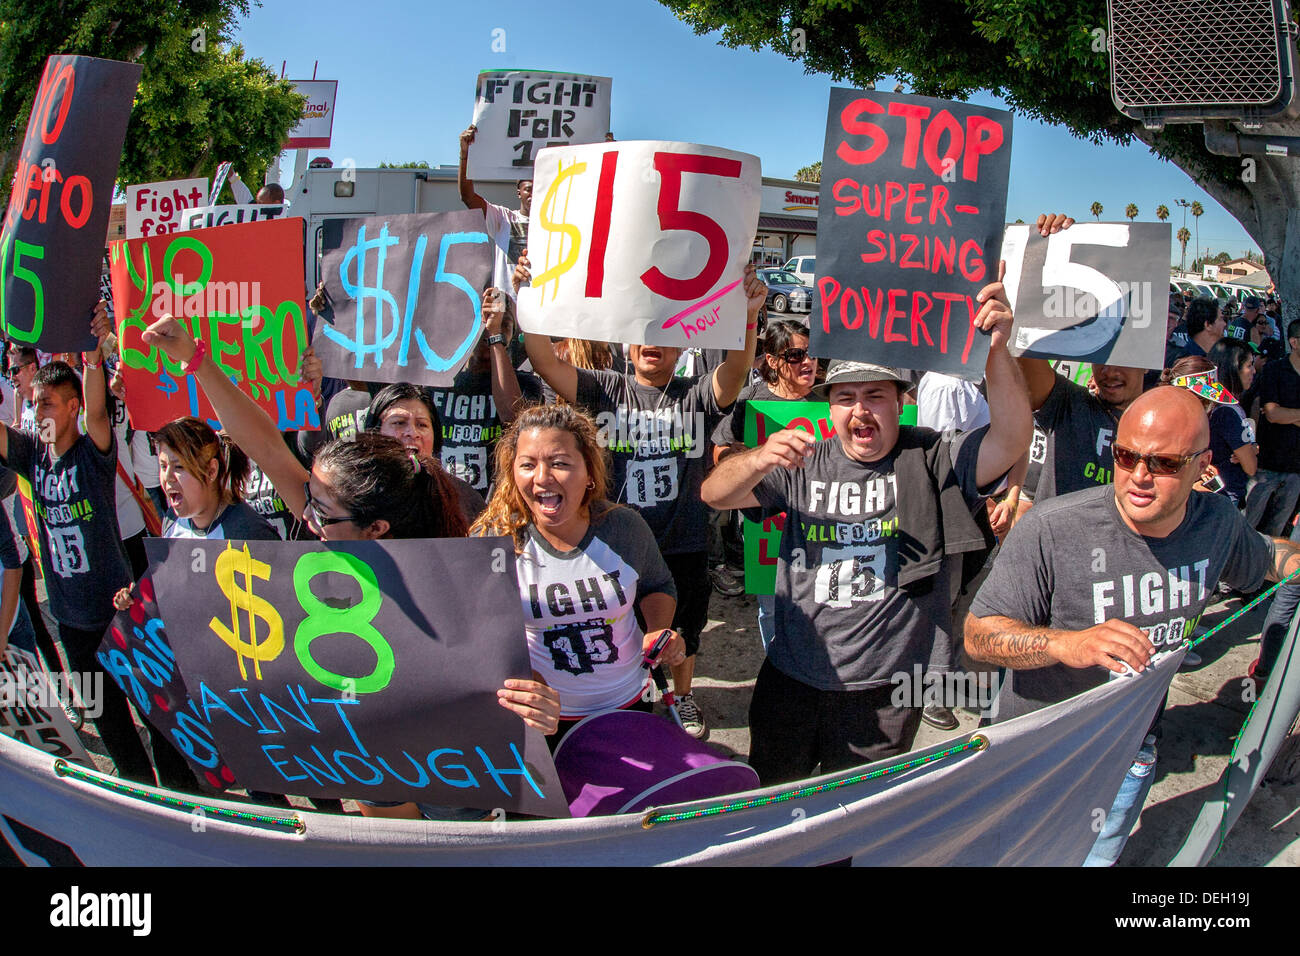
[1062, 532]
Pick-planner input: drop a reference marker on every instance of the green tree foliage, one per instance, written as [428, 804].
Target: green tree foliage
[1097, 209]
[199, 102]
[1046, 58]
[810, 174]
[1162, 212]
[1183, 237]
[1131, 210]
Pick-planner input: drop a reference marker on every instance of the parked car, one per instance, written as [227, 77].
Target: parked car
[805, 267]
[785, 292]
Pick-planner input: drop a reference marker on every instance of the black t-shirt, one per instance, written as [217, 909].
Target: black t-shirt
[261, 496]
[1279, 445]
[471, 424]
[1079, 429]
[1230, 429]
[345, 415]
[237, 522]
[76, 507]
[732, 427]
[658, 440]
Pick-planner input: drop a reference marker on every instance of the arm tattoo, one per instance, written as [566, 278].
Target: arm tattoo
[1011, 643]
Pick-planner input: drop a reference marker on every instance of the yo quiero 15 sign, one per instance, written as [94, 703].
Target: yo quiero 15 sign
[237, 288]
[405, 295]
[763, 538]
[912, 204]
[353, 670]
[519, 113]
[1097, 292]
[53, 237]
[641, 242]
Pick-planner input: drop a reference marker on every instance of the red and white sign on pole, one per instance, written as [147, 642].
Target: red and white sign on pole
[317, 124]
[642, 243]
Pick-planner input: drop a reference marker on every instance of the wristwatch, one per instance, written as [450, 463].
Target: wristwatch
[496, 340]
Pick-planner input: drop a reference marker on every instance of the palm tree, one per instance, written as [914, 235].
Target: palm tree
[1162, 212]
[1197, 210]
[1183, 238]
[810, 174]
[1097, 210]
[1131, 210]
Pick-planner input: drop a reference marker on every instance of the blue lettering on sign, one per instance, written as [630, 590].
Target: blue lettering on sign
[193, 390]
[166, 384]
[304, 411]
[402, 322]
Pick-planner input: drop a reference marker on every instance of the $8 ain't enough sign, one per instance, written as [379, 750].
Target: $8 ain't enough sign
[641, 242]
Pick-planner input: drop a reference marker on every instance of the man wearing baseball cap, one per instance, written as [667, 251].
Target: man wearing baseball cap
[878, 517]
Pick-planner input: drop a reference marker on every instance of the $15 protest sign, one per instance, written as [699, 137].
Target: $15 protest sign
[641, 242]
[405, 295]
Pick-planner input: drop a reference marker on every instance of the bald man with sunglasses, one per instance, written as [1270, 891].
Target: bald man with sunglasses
[1094, 584]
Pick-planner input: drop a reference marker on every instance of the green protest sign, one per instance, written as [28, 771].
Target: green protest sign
[763, 539]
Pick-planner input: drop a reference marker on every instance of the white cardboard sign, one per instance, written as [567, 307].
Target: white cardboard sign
[154, 209]
[642, 243]
[520, 113]
[205, 217]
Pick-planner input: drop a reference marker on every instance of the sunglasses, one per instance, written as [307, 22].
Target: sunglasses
[1163, 465]
[15, 369]
[793, 356]
[312, 513]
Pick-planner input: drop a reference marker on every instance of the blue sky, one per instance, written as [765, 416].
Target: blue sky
[406, 89]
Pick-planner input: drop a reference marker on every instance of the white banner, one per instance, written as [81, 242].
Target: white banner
[1030, 795]
[207, 216]
[518, 114]
[641, 242]
[154, 209]
[317, 124]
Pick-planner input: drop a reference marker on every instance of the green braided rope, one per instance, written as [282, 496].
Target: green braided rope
[64, 769]
[976, 742]
[1243, 609]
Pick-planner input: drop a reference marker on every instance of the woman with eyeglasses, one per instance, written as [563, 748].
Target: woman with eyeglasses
[788, 374]
[372, 487]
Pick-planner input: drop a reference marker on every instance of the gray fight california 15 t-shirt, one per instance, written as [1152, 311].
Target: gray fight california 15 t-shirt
[657, 439]
[841, 621]
[1073, 562]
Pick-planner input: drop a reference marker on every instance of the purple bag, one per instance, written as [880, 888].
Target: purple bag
[624, 761]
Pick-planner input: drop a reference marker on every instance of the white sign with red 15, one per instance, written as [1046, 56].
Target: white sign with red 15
[642, 243]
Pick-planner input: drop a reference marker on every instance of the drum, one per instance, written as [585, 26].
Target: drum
[624, 761]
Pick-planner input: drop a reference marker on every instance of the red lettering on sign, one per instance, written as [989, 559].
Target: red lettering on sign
[921, 304]
[854, 201]
[974, 271]
[894, 312]
[852, 123]
[600, 225]
[67, 80]
[894, 194]
[824, 283]
[970, 333]
[844, 309]
[944, 122]
[983, 136]
[912, 114]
